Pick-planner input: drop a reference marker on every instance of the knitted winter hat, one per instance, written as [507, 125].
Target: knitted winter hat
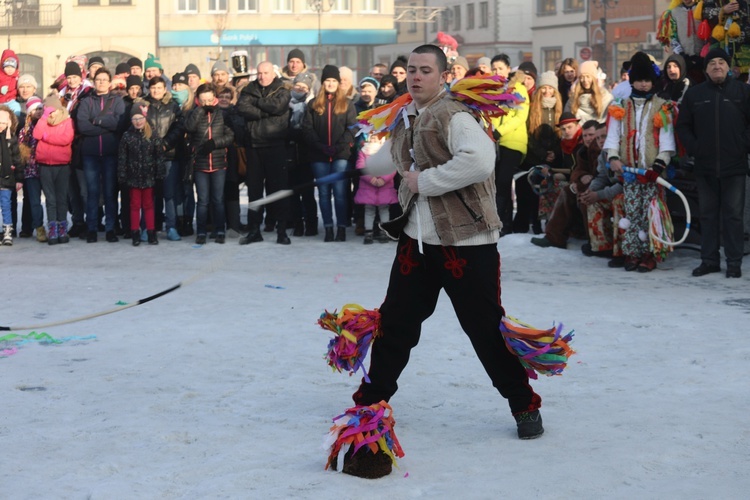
[180, 78]
[305, 78]
[296, 54]
[72, 68]
[713, 54]
[33, 102]
[484, 61]
[368, 80]
[152, 62]
[548, 78]
[27, 79]
[529, 68]
[140, 107]
[642, 68]
[134, 61]
[122, 68]
[388, 79]
[461, 61]
[590, 68]
[219, 66]
[192, 69]
[330, 71]
[401, 62]
[95, 60]
[53, 101]
[11, 61]
[133, 81]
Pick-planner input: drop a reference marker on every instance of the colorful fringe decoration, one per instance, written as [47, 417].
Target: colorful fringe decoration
[660, 222]
[616, 111]
[370, 426]
[355, 328]
[381, 121]
[488, 95]
[540, 351]
[665, 117]
[43, 338]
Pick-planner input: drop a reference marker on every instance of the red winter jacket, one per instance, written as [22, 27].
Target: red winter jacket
[54, 142]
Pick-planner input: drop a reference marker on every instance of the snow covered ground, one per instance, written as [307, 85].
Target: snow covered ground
[220, 389]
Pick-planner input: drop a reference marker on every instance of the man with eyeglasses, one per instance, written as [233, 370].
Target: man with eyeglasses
[99, 121]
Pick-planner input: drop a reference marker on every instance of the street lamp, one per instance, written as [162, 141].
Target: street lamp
[605, 4]
[320, 6]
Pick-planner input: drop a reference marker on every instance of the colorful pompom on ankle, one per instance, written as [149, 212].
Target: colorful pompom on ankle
[362, 442]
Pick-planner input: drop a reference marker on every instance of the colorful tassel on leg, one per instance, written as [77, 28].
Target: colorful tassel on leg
[355, 328]
[540, 351]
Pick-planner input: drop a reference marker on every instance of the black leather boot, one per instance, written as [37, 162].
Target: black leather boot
[341, 234]
[329, 234]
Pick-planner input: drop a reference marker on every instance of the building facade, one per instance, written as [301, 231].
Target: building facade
[481, 28]
[340, 32]
[559, 31]
[619, 29]
[44, 34]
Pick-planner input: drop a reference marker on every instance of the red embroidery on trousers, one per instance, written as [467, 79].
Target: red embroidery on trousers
[453, 262]
[405, 257]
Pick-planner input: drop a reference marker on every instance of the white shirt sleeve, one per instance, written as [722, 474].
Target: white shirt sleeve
[473, 158]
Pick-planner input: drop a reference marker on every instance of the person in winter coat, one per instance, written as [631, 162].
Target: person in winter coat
[11, 169]
[304, 208]
[714, 127]
[165, 121]
[140, 162]
[9, 81]
[32, 184]
[264, 104]
[512, 139]
[329, 138]
[674, 81]
[99, 121]
[54, 134]
[376, 193]
[236, 154]
[209, 137]
[589, 100]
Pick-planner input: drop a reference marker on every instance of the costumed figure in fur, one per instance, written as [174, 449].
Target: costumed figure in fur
[441, 145]
[641, 135]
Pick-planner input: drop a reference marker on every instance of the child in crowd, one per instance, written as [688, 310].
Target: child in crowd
[9, 81]
[375, 193]
[32, 182]
[54, 134]
[139, 164]
[11, 170]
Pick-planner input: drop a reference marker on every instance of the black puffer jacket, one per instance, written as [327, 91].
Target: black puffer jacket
[10, 157]
[205, 128]
[328, 130]
[266, 112]
[139, 160]
[165, 117]
[714, 127]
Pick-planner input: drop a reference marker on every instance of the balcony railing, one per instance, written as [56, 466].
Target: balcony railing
[39, 18]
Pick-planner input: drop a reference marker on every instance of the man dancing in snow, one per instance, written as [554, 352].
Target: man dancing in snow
[447, 240]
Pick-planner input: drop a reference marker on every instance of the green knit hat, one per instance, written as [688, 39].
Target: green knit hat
[152, 62]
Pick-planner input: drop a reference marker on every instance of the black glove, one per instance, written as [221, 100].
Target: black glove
[207, 147]
[209, 108]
